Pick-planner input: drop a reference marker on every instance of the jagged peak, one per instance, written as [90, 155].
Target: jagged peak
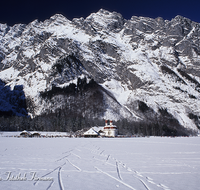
[3, 26]
[106, 19]
[105, 13]
[56, 16]
[35, 22]
[59, 18]
[180, 19]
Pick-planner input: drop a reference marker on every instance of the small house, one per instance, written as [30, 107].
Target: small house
[94, 132]
[25, 134]
[36, 134]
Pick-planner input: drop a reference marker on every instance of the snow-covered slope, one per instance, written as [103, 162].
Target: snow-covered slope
[153, 61]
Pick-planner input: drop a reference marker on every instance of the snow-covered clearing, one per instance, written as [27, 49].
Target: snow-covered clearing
[104, 163]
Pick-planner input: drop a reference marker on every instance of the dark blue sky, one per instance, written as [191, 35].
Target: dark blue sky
[24, 11]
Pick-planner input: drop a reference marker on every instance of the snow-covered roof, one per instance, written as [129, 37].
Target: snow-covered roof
[94, 131]
[25, 132]
[35, 132]
[98, 128]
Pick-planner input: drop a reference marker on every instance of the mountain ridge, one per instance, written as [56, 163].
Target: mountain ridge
[154, 61]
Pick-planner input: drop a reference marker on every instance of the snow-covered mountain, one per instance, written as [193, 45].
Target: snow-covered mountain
[136, 69]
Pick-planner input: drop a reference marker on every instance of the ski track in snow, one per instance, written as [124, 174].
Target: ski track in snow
[137, 174]
[74, 165]
[50, 185]
[107, 158]
[63, 158]
[97, 152]
[127, 185]
[118, 171]
[60, 179]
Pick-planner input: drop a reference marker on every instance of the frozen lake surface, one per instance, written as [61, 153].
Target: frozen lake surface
[154, 163]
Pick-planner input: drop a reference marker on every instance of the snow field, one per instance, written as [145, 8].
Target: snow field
[104, 163]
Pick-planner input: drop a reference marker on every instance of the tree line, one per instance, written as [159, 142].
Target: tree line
[59, 122]
[82, 108]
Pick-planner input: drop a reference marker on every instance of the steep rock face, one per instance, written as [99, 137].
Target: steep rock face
[153, 61]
